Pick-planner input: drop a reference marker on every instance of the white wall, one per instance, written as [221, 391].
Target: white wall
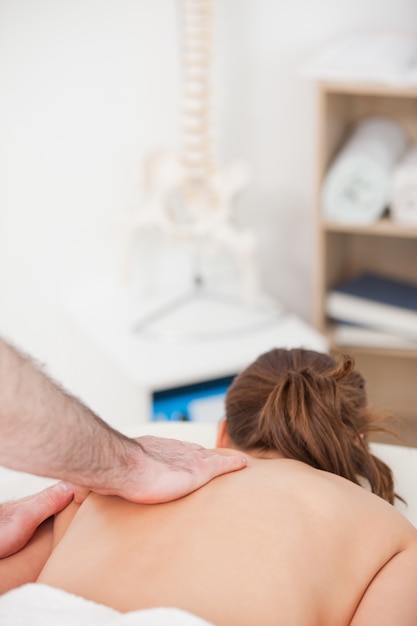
[87, 87]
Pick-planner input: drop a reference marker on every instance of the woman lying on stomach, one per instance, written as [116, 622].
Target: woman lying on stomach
[293, 539]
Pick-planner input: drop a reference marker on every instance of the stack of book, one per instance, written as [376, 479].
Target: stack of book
[375, 311]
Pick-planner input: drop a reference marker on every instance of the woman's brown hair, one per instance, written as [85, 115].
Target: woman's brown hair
[310, 407]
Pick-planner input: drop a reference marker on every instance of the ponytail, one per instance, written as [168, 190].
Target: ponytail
[310, 408]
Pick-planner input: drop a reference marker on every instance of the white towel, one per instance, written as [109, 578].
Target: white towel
[404, 190]
[356, 188]
[387, 58]
[40, 605]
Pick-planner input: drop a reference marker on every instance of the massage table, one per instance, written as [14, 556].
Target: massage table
[40, 605]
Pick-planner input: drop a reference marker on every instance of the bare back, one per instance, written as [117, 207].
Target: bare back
[277, 543]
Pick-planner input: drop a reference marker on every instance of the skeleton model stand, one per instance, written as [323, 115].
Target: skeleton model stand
[187, 196]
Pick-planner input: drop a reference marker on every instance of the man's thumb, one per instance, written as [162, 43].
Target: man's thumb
[50, 501]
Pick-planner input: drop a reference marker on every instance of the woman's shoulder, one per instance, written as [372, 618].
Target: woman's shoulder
[327, 495]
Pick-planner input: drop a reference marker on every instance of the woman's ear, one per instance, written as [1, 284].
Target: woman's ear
[222, 440]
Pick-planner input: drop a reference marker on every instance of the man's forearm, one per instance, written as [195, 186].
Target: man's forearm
[46, 431]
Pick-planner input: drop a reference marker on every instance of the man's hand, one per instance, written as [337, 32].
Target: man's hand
[160, 469]
[20, 519]
[174, 468]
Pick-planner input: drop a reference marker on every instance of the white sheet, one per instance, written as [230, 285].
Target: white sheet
[40, 605]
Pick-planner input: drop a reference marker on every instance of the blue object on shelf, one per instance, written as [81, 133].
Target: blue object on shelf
[176, 404]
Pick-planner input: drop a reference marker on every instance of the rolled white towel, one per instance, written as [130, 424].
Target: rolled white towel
[403, 203]
[356, 188]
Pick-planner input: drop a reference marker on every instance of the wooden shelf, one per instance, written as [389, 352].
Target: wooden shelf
[369, 88]
[391, 352]
[384, 227]
[344, 250]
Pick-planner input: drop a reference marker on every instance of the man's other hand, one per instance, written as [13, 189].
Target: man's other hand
[19, 519]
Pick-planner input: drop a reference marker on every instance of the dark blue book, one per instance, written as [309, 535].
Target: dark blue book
[376, 301]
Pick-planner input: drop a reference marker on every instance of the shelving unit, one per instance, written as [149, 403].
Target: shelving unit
[385, 247]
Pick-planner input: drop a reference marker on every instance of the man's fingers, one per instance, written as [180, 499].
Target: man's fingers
[217, 464]
[52, 500]
[19, 519]
[232, 463]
